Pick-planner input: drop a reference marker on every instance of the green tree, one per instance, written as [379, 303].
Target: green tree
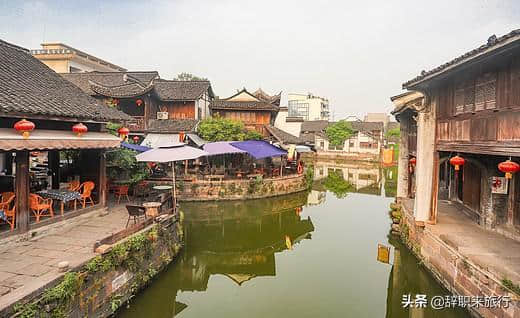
[224, 129]
[337, 185]
[393, 133]
[189, 77]
[338, 132]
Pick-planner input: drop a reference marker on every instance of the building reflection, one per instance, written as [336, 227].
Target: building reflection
[237, 239]
[367, 178]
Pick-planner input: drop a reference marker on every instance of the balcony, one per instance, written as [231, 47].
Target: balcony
[138, 124]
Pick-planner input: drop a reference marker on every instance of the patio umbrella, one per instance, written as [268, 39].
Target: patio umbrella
[171, 153]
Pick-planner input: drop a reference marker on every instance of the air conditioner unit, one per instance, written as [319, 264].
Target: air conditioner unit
[162, 115]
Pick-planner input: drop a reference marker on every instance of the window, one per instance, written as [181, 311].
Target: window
[475, 95]
[298, 108]
[322, 144]
[351, 143]
[331, 147]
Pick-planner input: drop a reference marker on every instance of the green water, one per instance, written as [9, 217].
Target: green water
[236, 262]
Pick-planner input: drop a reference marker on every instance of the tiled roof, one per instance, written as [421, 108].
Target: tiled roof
[366, 126]
[492, 44]
[241, 105]
[282, 136]
[29, 87]
[180, 90]
[123, 91]
[171, 125]
[307, 137]
[272, 99]
[109, 79]
[314, 125]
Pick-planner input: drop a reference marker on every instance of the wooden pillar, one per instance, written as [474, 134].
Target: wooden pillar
[511, 201]
[102, 179]
[54, 166]
[22, 191]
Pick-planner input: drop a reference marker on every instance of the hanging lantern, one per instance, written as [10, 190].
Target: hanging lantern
[457, 161]
[25, 127]
[139, 102]
[79, 129]
[136, 139]
[123, 132]
[509, 167]
[413, 161]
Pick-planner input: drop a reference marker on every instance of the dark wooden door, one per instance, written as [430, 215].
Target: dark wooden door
[471, 187]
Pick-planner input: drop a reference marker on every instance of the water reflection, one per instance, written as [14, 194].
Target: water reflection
[236, 239]
[238, 260]
[341, 178]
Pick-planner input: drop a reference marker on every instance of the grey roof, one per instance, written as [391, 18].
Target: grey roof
[314, 125]
[123, 91]
[181, 90]
[283, 136]
[241, 105]
[171, 125]
[29, 87]
[307, 137]
[492, 44]
[110, 80]
[366, 126]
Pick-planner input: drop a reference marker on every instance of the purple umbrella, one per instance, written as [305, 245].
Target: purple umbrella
[221, 148]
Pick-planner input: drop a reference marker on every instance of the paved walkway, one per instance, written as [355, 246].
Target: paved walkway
[489, 250]
[28, 265]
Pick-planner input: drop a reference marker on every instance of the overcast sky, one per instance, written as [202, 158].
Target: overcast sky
[355, 53]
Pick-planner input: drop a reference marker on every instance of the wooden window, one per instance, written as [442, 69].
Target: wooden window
[459, 98]
[485, 92]
[469, 96]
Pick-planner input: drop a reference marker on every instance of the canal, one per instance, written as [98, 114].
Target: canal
[302, 255]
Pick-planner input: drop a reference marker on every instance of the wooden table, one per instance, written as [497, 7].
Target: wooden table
[151, 208]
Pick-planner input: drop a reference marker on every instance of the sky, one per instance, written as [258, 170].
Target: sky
[355, 53]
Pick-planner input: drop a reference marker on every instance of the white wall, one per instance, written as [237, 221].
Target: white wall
[356, 148]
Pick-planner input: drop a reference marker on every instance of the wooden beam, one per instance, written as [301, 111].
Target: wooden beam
[22, 191]
[102, 177]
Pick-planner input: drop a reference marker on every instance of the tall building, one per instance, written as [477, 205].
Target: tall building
[65, 59]
[308, 107]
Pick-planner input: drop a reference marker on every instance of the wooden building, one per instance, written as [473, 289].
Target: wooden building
[254, 111]
[148, 98]
[30, 90]
[471, 108]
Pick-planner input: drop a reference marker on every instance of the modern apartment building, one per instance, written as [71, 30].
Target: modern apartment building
[65, 59]
[308, 107]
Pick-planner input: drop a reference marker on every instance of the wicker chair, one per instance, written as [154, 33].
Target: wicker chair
[134, 211]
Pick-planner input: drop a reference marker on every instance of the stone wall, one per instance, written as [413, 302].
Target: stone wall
[240, 189]
[454, 271]
[101, 285]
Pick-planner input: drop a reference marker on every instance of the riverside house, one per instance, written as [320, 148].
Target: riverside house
[160, 108]
[364, 144]
[460, 149]
[40, 116]
[255, 111]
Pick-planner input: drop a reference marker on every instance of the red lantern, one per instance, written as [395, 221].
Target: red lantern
[457, 161]
[139, 102]
[509, 167]
[413, 161]
[79, 129]
[136, 139]
[116, 101]
[123, 132]
[25, 127]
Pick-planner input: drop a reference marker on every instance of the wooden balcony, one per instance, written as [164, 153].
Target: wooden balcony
[138, 124]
